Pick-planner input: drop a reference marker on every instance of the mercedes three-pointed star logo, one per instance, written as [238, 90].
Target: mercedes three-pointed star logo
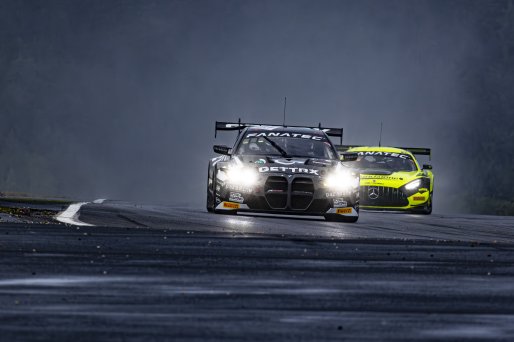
[373, 192]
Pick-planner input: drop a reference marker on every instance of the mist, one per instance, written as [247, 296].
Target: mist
[118, 99]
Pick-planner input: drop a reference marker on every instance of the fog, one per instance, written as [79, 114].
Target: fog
[118, 99]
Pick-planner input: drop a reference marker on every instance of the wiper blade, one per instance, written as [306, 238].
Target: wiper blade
[277, 147]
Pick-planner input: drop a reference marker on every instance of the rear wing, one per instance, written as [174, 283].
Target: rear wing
[414, 150]
[238, 126]
[419, 151]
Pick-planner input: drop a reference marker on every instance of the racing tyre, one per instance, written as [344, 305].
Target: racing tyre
[339, 218]
[211, 197]
[427, 209]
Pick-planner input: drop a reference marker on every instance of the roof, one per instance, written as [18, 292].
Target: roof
[379, 149]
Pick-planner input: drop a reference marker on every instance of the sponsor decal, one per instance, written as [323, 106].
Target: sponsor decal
[288, 169]
[260, 161]
[288, 162]
[231, 205]
[236, 197]
[379, 177]
[285, 134]
[385, 154]
[340, 203]
[373, 193]
[239, 188]
[419, 198]
[344, 211]
[333, 194]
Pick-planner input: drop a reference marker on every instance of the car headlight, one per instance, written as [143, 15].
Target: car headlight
[242, 176]
[413, 185]
[341, 180]
[221, 175]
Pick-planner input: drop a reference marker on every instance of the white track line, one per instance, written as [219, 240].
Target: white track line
[71, 215]
[99, 201]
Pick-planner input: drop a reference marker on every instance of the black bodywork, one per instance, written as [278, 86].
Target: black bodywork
[284, 184]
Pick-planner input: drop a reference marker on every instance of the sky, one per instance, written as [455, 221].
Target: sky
[118, 99]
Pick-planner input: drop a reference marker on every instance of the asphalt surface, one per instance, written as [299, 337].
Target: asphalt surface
[163, 273]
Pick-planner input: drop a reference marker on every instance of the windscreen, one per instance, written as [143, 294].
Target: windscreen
[391, 162]
[287, 147]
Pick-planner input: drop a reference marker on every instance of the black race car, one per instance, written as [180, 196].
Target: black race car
[283, 170]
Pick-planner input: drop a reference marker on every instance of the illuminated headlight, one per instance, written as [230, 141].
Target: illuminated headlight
[221, 175]
[341, 180]
[242, 176]
[413, 185]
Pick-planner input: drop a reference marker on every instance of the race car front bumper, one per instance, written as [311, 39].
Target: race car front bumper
[389, 198]
[287, 194]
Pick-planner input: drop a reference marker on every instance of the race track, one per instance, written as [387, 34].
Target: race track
[164, 273]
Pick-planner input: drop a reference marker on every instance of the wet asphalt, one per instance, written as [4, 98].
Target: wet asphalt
[165, 273]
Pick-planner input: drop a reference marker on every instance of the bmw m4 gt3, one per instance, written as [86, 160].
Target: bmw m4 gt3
[282, 170]
[391, 178]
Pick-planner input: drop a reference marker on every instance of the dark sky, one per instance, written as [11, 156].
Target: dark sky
[118, 99]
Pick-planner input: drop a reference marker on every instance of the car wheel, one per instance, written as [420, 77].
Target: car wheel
[427, 209]
[210, 195]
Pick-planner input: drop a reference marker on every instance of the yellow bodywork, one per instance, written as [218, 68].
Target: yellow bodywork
[417, 198]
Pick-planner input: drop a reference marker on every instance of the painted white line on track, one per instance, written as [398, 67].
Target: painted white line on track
[70, 215]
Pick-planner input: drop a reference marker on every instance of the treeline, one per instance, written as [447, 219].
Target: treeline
[487, 135]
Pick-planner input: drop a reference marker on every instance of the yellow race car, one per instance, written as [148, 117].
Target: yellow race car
[391, 178]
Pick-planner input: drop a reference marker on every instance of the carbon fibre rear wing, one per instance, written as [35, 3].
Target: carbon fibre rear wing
[414, 150]
[238, 126]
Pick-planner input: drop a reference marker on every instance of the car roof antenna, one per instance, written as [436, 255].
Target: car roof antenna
[380, 139]
[285, 105]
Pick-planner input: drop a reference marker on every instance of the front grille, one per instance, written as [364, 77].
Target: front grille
[275, 191]
[382, 196]
[302, 192]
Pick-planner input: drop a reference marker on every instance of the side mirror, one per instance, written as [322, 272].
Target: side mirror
[427, 167]
[348, 156]
[221, 149]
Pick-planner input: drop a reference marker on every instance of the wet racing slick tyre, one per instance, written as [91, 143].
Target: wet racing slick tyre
[211, 197]
[427, 209]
